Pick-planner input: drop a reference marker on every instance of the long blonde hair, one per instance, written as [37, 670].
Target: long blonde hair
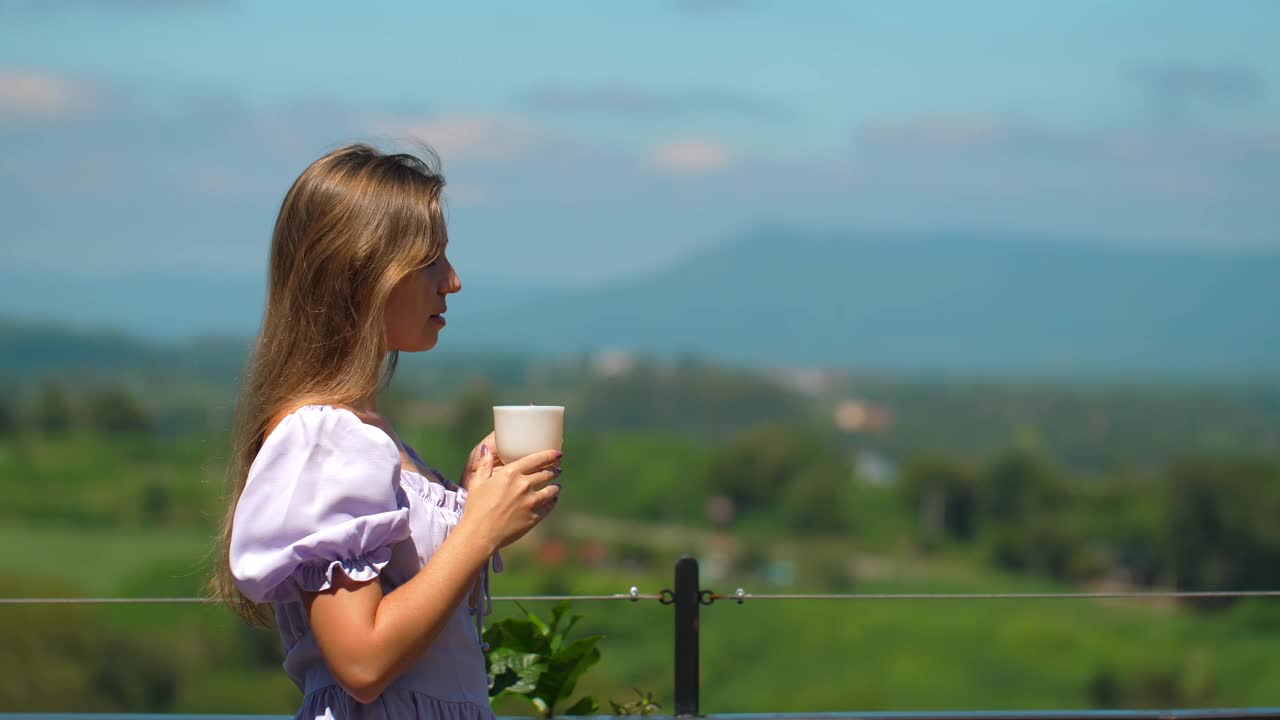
[353, 224]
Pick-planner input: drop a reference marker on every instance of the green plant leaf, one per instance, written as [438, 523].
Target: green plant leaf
[530, 660]
[516, 634]
[500, 659]
[644, 704]
[558, 637]
[541, 626]
[557, 612]
[527, 678]
[576, 650]
[567, 666]
[515, 673]
[571, 682]
[572, 621]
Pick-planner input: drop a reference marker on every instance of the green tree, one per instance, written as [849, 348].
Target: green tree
[112, 410]
[945, 496]
[1123, 517]
[690, 397]
[52, 412]
[1021, 485]
[772, 467]
[1221, 531]
[1027, 504]
[819, 496]
[8, 421]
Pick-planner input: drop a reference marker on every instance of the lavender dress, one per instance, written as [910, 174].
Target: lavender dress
[328, 491]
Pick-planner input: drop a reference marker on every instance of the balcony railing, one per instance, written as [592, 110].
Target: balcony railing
[687, 597]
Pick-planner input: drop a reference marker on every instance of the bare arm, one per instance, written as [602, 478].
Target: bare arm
[368, 639]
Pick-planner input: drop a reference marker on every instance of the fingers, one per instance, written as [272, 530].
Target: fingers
[542, 478]
[476, 452]
[537, 461]
[484, 463]
[547, 497]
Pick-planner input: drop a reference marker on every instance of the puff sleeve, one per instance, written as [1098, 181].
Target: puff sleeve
[322, 494]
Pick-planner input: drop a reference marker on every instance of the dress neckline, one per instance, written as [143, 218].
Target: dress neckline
[435, 477]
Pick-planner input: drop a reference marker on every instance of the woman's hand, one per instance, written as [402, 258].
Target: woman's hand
[368, 639]
[506, 501]
[476, 456]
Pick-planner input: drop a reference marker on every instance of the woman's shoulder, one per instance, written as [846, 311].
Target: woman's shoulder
[322, 492]
[330, 425]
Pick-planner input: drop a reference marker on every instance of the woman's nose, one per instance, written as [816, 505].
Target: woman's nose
[452, 283]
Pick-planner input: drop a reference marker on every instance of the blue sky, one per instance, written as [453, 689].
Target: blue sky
[584, 141]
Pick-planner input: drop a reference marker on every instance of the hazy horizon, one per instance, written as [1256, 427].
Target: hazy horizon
[586, 145]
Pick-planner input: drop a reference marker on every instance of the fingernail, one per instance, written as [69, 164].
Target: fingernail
[559, 454]
[556, 469]
[484, 451]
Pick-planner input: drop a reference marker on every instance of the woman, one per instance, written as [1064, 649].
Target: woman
[329, 510]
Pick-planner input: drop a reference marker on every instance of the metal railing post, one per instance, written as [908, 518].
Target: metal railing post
[687, 598]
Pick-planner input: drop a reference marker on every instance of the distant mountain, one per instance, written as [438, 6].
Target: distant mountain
[32, 349]
[150, 305]
[181, 306]
[949, 303]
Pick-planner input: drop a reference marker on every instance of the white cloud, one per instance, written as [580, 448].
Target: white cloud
[35, 94]
[690, 156]
[466, 137]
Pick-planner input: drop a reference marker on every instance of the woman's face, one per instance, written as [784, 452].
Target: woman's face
[415, 309]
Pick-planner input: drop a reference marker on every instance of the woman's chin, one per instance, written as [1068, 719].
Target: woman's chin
[421, 345]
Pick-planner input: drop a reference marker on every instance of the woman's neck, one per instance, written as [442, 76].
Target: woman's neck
[367, 404]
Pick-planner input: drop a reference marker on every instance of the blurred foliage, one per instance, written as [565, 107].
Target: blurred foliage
[473, 416]
[688, 397]
[113, 410]
[784, 476]
[70, 661]
[643, 704]
[51, 412]
[945, 496]
[1155, 687]
[112, 478]
[1221, 529]
[8, 418]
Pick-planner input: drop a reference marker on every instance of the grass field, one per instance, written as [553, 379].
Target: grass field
[105, 562]
[760, 656]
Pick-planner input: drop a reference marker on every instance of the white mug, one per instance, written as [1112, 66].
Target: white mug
[522, 430]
